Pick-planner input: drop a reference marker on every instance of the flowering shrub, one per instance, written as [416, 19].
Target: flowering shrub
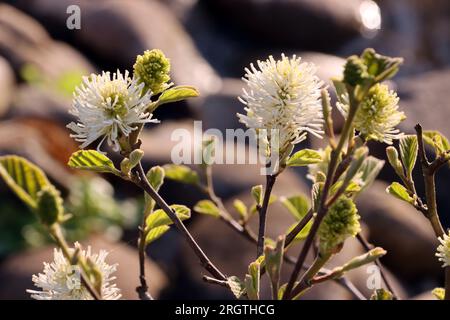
[284, 101]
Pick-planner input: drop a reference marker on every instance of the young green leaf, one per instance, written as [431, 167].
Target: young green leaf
[252, 281]
[257, 194]
[155, 233]
[274, 259]
[178, 93]
[436, 140]
[24, 178]
[236, 286]
[155, 177]
[408, 152]
[304, 157]
[93, 161]
[181, 173]
[400, 192]
[207, 207]
[439, 293]
[159, 217]
[241, 209]
[369, 171]
[297, 205]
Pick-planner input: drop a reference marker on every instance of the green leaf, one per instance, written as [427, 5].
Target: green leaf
[24, 178]
[207, 207]
[241, 208]
[257, 194]
[159, 217]
[155, 177]
[303, 233]
[178, 93]
[252, 280]
[436, 140]
[236, 286]
[400, 192]
[408, 152]
[274, 259]
[155, 233]
[381, 294]
[298, 206]
[304, 157]
[369, 171]
[181, 173]
[93, 161]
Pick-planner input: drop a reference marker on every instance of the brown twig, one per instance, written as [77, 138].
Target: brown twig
[142, 182]
[270, 181]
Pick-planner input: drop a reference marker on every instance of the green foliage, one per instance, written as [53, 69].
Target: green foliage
[181, 173]
[236, 286]
[273, 257]
[297, 205]
[241, 209]
[304, 157]
[439, 293]
[159, 217]
[207, 207]
[155, 233]
[257, 194]
[252, 280]
[155, 177]
[408, 152]
[49, 206]
[400, 192]
[92, 160]
[24, 178]
[178, 93]
[437, 141]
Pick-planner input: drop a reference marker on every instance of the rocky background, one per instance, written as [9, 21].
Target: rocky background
[209, 42]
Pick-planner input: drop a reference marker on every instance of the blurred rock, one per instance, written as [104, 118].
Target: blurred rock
[41, 102]
[7, 85]
[294, 23]
[41, 141]
[402, 231]
[16, 272]
[24, 42]
[131, 27]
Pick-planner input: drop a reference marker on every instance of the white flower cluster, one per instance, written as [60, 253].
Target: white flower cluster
[443, 251]
[108, 107]
[283, 95]
[61, 280]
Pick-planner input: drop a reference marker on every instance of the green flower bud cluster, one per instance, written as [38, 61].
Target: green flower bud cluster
[381, 294]
[153, 68]
[49, 206]
[341, 222]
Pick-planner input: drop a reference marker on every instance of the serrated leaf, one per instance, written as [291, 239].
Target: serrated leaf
[155, 233]
[304, 157]
[369, 171]
[93, 161]
[408, 152]
[24, 178]
[237, 287]
[159, 217]
[207, 207]
[241, 208]
[257, 194]
[297, 205]
[178, 93]
[181, 173]
[400, 192]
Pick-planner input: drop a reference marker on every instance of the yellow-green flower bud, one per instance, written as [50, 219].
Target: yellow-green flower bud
[153, 68]
[49, 206]
[341, 222]
[135, 157]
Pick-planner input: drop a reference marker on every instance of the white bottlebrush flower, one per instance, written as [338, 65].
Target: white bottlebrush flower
[61, 281]
[283, 95]
[443, 251]
[377, 115]
[108, 107]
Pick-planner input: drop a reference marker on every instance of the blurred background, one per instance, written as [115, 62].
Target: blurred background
[209, 43]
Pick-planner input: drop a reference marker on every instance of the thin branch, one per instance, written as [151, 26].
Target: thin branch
[270, 181]
[143, 183]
